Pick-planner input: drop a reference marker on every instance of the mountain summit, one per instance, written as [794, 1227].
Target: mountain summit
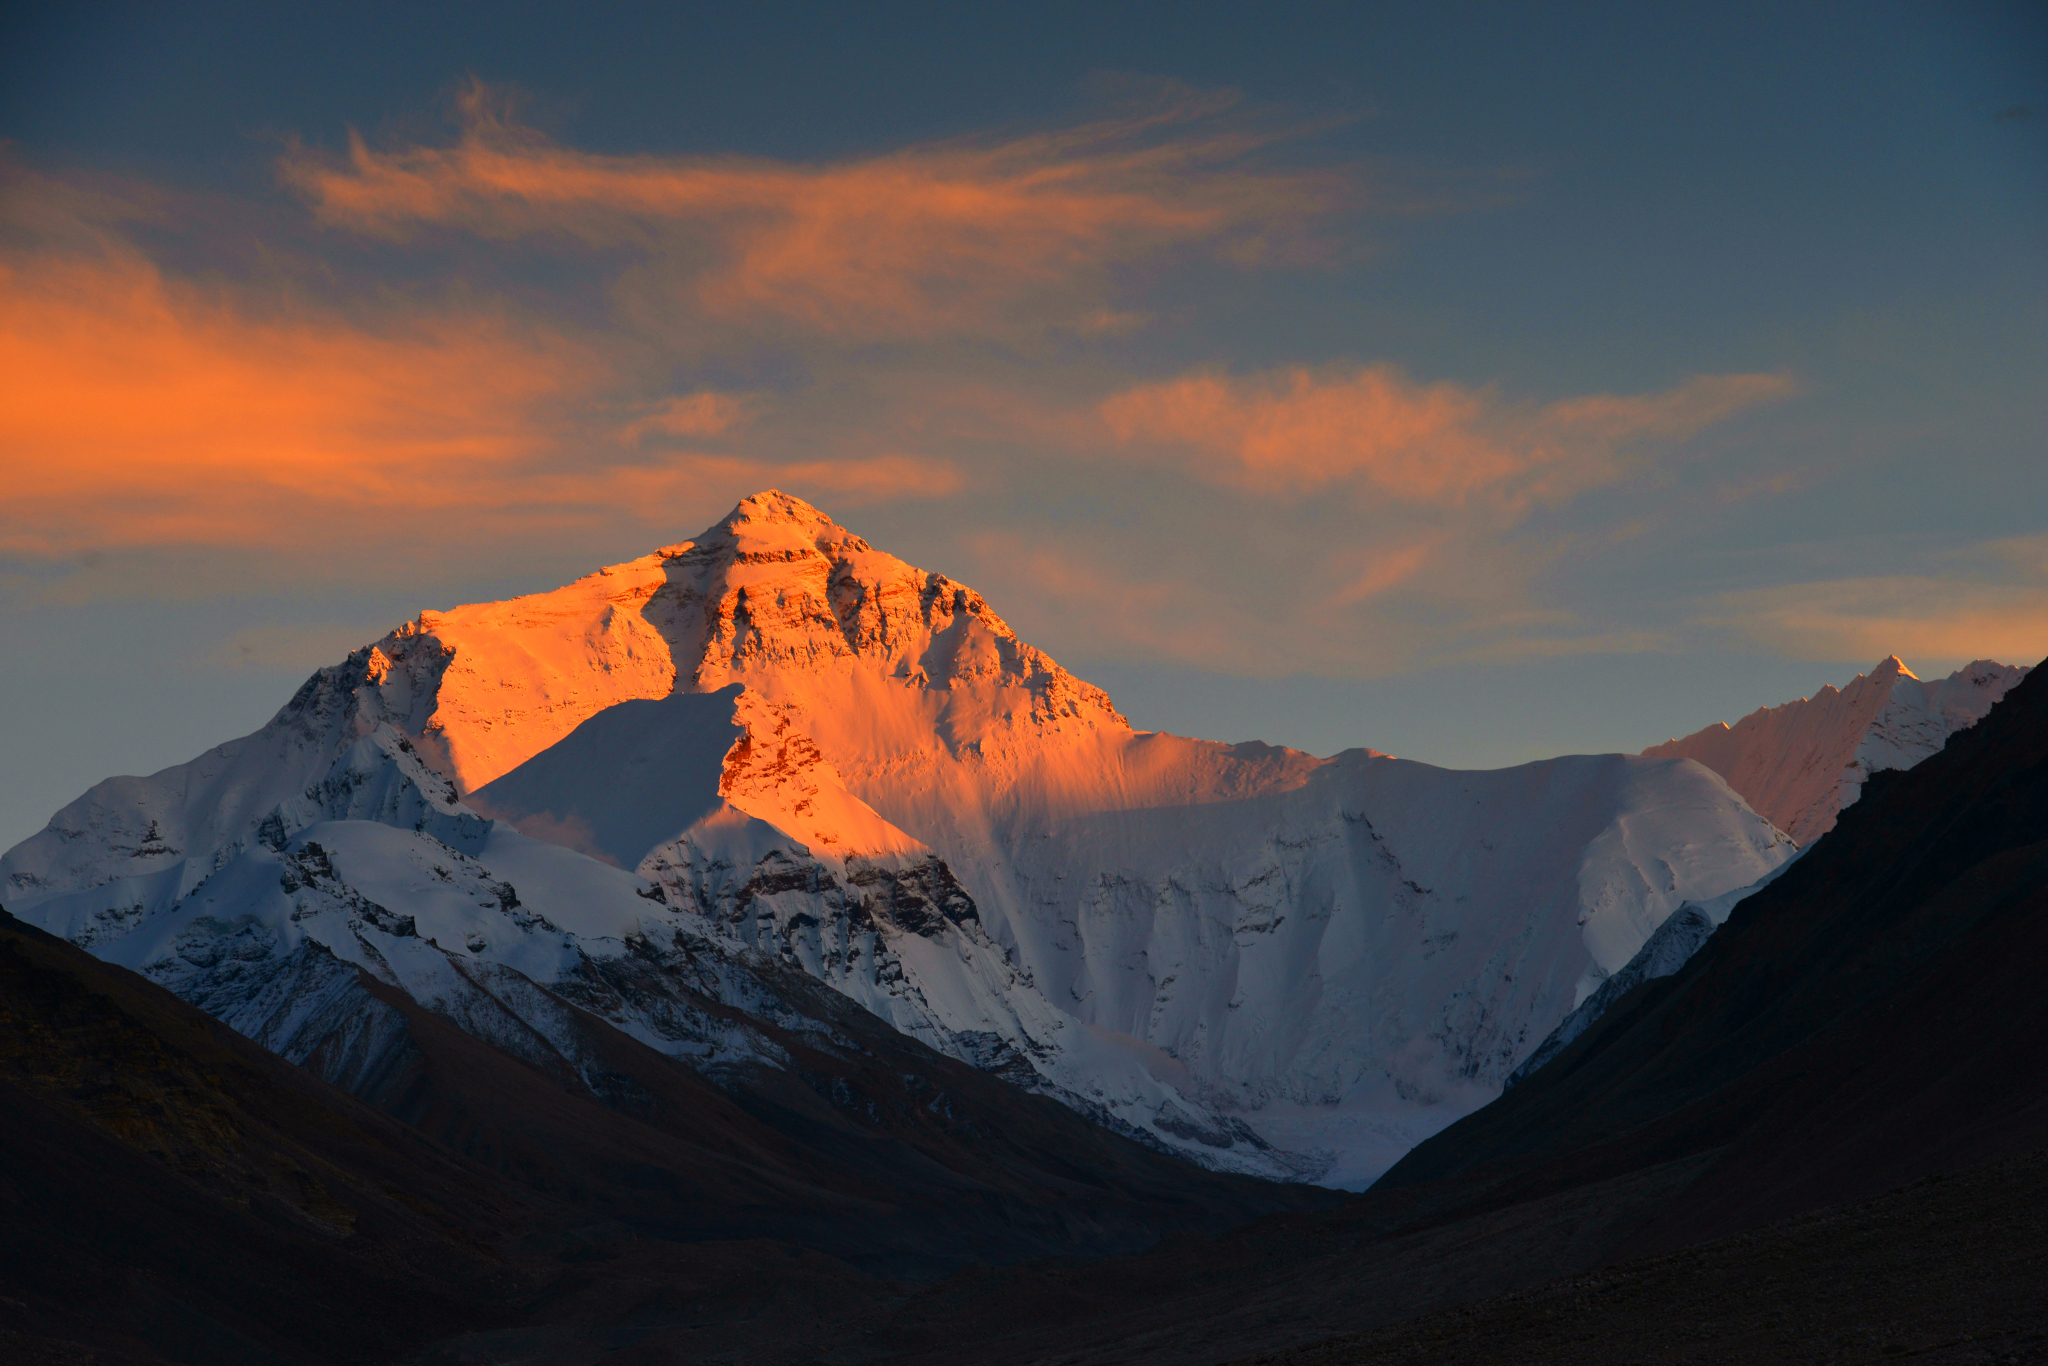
[775, 744]
[775, 590]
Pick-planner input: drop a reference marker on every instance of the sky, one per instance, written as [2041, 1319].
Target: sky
[1474, 382]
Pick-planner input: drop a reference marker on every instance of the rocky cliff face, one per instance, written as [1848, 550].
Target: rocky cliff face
[777, 744]
[1800, 764]
[776, 590]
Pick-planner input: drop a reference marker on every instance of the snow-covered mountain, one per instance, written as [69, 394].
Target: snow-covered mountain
[1801, 763]
[776, 745]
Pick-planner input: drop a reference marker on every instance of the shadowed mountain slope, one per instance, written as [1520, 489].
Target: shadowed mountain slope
[858, 1142]
[1870, 1019]
[173, 1192]
[1947, 1271]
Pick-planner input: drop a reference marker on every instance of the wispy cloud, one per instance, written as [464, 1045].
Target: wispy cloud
[1362, 573]
[1102, 607]
[1273, 596]
[137, 411]
[1351, 520]
[979, 321]
[698, 415]
[1299, 431]
[925, 241]
[1985, 601]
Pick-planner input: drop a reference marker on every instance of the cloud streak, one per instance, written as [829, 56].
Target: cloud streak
[923, 242]
[1300, 431]
[139, 411]
[1989, 600]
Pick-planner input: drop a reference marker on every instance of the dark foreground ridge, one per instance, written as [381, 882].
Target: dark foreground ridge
[1949, 1270]
[170, 1191]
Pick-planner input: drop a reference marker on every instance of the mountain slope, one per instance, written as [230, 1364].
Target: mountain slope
[775, 743]
[624, 1040]
[173, 1192]
[1946, 1271]
[1801, 763]
[1870, 1019]
[1862, 1022]
[172, 1188]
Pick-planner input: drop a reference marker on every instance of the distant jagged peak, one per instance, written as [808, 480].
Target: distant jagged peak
[1800, 763]
[1882, 675]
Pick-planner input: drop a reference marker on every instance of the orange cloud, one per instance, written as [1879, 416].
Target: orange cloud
[139, 411]
[1300, 431]
[134, 410]
[1367, 573]
[1989, 600]
[921, 242]
[1069, 594]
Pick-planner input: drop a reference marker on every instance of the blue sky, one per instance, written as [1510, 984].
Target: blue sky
[1475, 383]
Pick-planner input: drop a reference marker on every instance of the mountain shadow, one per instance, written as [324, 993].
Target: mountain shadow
[171, 1192]
[1872, 1019]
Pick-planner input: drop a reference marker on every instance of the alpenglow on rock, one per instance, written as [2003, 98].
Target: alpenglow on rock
[1801, 763]
[776, 743]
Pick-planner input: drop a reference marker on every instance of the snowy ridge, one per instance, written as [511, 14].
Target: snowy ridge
[1801, 763]
[777, 746]
[1778, 757]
